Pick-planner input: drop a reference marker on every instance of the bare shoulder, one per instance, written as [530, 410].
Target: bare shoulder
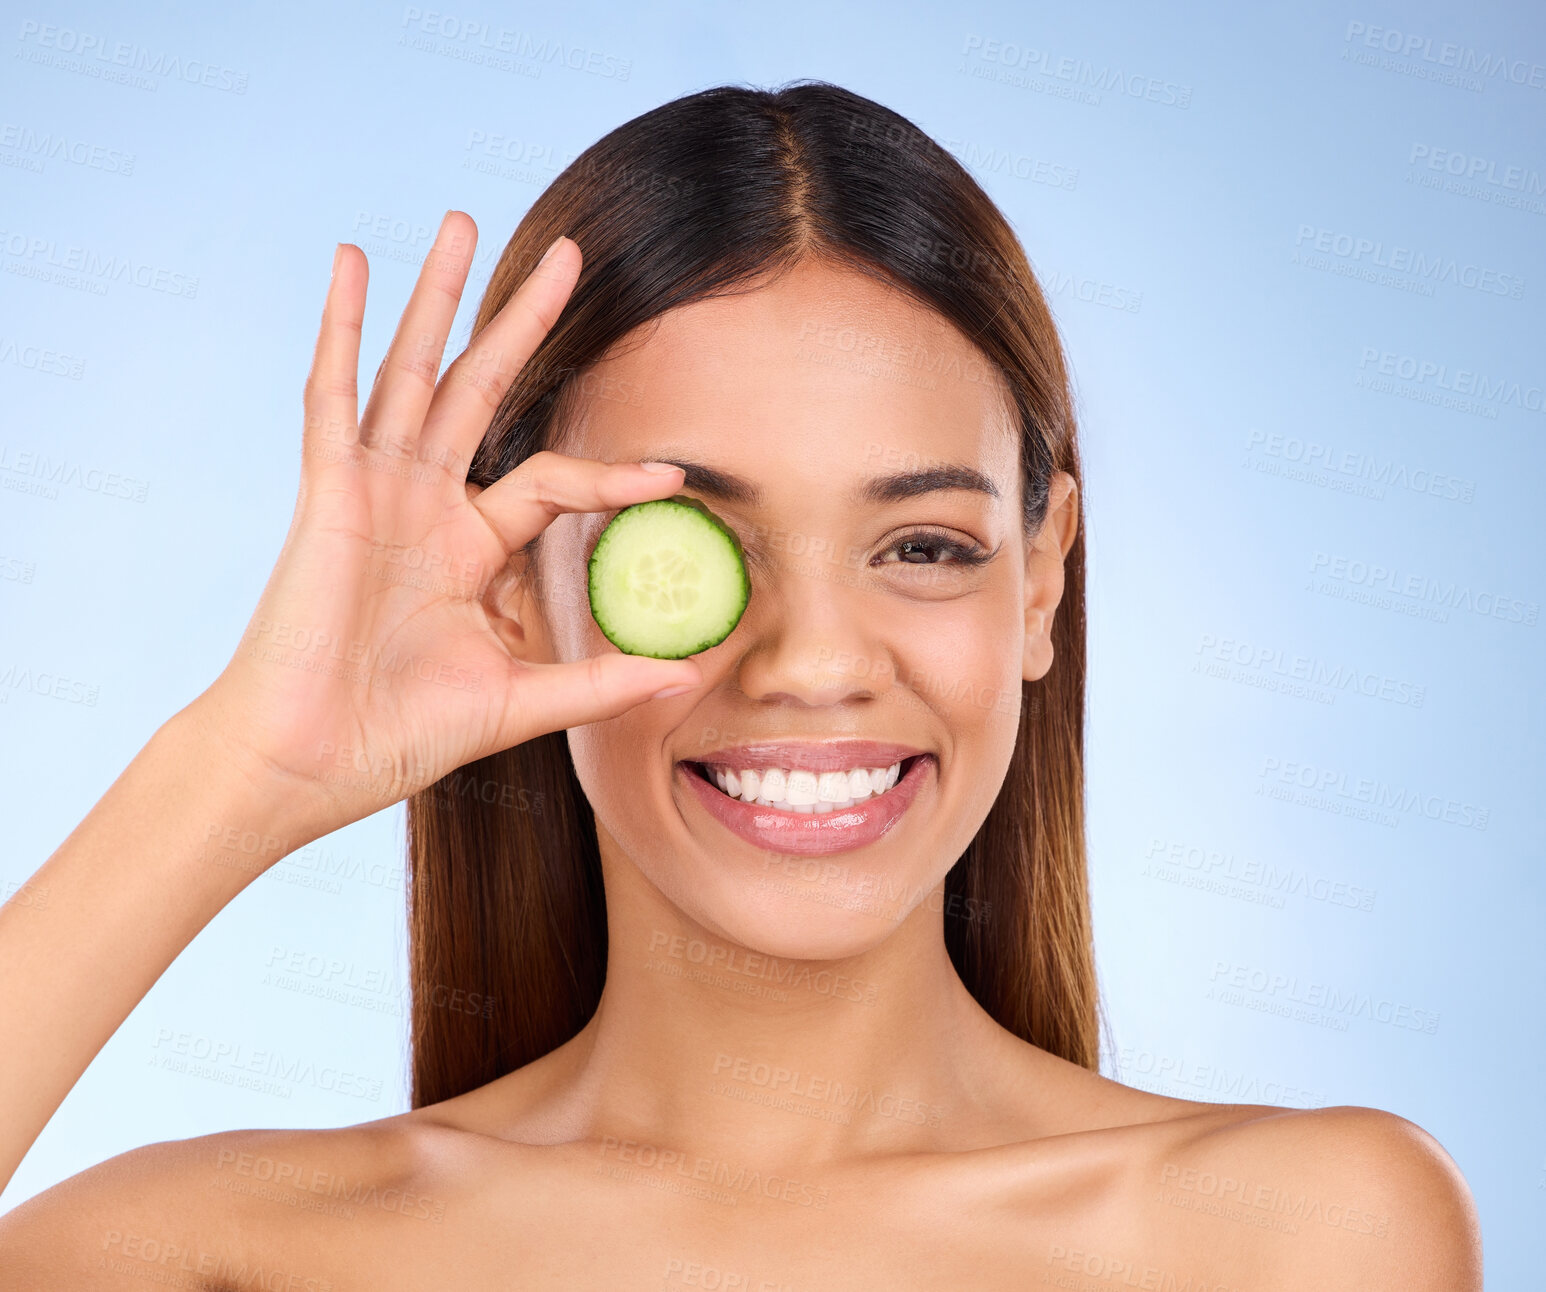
[276, 1208]
[1334, 1197]
[1241, 1195]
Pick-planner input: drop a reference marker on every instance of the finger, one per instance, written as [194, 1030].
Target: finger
[405, 383]
[331, 395]
[520, 505]
[475, 384]
[555, 697]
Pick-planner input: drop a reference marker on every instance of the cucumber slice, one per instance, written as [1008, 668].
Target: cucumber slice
[668, 579]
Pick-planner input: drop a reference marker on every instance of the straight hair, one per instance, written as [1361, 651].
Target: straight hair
[705, 196]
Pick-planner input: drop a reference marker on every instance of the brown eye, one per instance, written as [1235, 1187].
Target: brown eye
[924, 548]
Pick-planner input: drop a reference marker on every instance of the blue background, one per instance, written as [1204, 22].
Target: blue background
[1314, 555]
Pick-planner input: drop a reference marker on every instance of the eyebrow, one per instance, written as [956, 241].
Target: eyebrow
[726, 487]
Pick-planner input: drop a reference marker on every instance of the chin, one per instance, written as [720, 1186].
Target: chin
[794, 920]
[803, 908]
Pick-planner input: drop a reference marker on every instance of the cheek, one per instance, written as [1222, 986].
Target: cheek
[565, 598]
[959, 656]
[576, 635]
[611, 767]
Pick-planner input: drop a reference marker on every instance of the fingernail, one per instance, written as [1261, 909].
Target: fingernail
[548, 254]
[671, 690]
[337, 252]
[660, 466]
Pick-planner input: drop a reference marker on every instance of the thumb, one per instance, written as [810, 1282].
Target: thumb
[555, 697]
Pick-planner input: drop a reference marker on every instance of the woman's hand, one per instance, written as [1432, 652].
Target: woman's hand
[370, 668]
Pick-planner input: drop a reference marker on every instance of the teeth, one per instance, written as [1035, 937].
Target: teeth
[796, 790]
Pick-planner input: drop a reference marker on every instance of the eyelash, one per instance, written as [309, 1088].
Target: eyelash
[961, 553]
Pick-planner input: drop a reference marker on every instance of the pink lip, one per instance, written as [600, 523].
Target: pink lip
[807, 834]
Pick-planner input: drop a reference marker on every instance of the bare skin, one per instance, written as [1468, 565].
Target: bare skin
[658, 1149]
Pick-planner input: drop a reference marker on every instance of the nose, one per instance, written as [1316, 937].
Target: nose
[814, 640]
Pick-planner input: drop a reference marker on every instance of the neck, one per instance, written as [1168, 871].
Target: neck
[706, 1046]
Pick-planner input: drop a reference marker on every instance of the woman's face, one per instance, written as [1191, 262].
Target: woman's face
[863, 623]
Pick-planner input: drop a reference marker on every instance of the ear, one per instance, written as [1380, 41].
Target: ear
[512, 603]
[1044, 572]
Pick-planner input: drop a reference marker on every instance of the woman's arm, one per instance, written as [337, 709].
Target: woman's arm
[186, 826]
[256, 766]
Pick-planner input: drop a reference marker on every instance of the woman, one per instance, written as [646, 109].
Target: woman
[710, 1033]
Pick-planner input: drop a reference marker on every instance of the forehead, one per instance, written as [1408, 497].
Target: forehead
[816, 378]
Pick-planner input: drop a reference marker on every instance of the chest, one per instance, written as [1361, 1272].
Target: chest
[625, 1216]
[622, 1220]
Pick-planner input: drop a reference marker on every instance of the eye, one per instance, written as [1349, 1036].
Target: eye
[918, 547]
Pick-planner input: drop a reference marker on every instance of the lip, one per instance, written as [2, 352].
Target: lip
[814, 756]
[805, 834]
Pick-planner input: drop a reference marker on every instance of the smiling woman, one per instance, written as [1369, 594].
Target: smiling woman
[792, 973]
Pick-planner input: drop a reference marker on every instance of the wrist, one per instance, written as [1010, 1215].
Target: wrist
[248, 798]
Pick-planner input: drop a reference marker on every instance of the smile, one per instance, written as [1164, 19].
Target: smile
[795, 789]
[788, 812]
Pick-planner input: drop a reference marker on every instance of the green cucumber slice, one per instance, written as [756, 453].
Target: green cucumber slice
[668, 579]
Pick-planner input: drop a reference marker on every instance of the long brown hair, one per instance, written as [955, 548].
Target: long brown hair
[703, 196]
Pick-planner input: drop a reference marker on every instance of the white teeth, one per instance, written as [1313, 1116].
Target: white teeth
[832, 787]
[797, 790]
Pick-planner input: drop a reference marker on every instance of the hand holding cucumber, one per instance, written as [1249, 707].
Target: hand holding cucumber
[358, 683]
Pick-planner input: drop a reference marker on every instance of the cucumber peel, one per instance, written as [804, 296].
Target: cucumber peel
[667, 579]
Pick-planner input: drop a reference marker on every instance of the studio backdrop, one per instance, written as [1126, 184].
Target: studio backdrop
[1298, 257]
